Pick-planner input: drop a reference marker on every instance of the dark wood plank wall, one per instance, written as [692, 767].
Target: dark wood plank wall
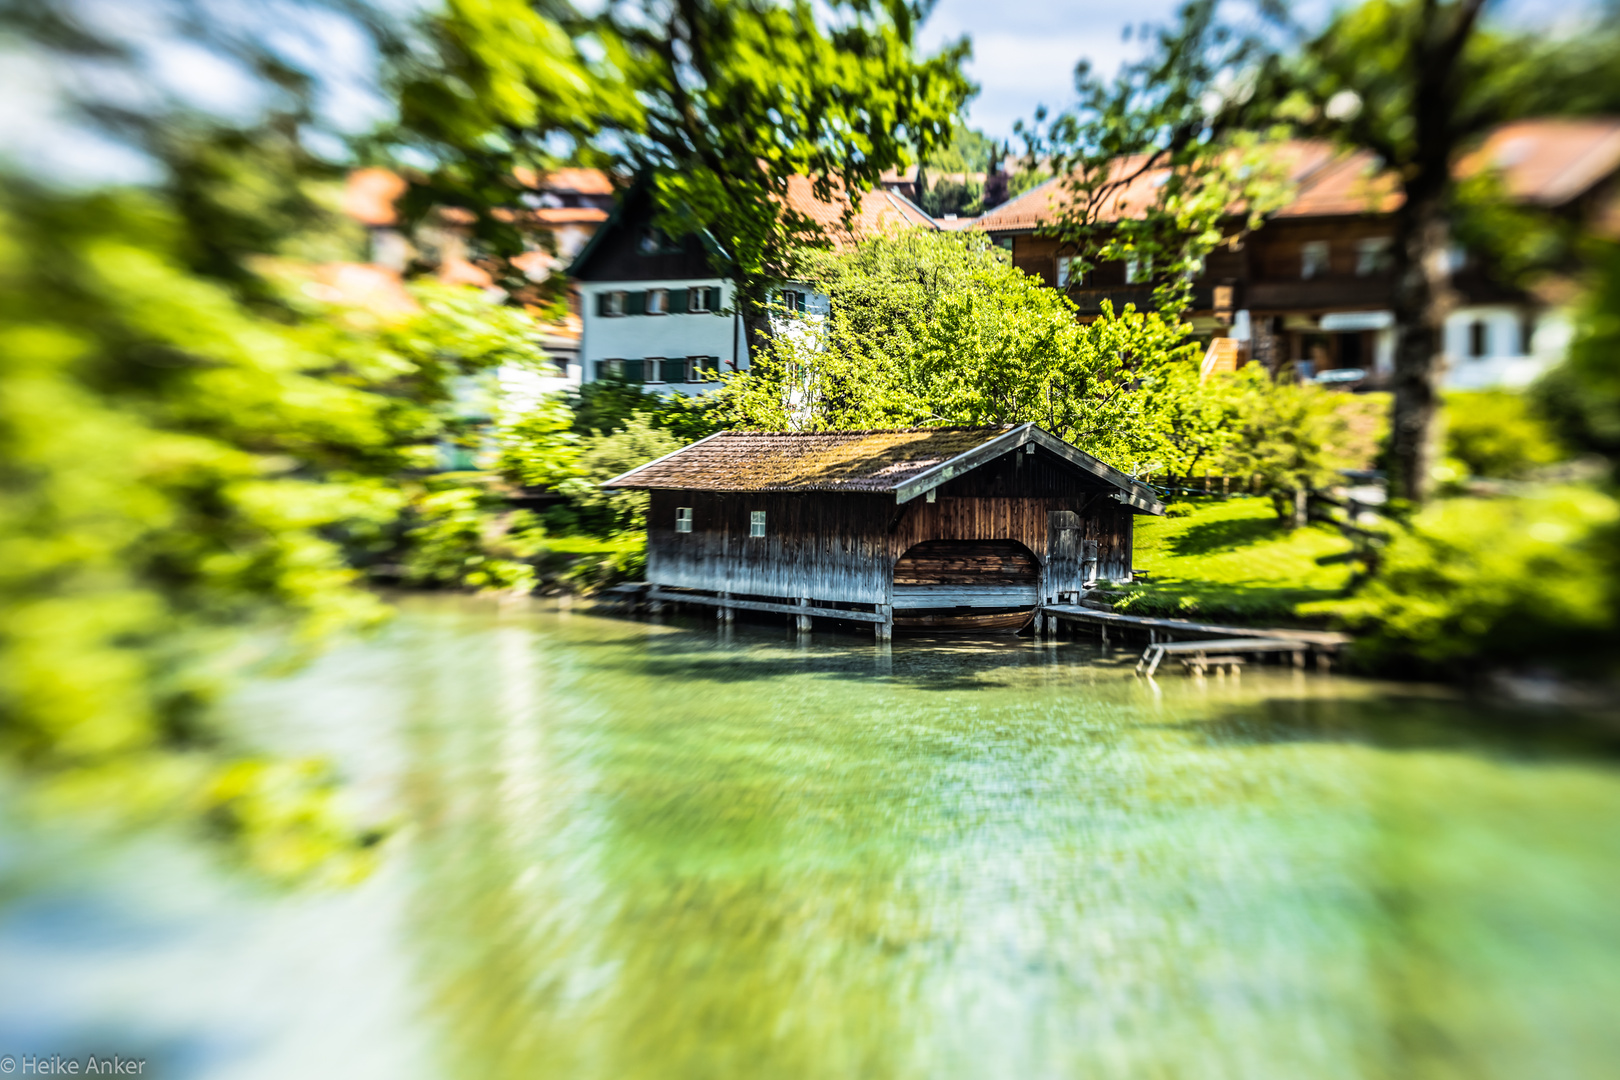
[843, 547]
[826, 546]
[618, 256]
[967, 563]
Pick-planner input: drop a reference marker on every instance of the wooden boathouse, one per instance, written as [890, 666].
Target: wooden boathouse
[943, 528]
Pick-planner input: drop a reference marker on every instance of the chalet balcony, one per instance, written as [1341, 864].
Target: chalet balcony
[1090, 301]
[1317, 294]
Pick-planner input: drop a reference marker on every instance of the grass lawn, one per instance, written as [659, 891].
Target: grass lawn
[1233, 561]
[595, 545]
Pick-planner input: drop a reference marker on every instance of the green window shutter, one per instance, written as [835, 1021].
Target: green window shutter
[714, 299]
[635, 303]
[677, 301]
[674, 370]
[602, 304]
[634, 371]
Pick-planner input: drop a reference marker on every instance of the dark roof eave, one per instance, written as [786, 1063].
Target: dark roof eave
[1139, 497]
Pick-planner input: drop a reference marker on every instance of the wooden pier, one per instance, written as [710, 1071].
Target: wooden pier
[1200, 645]
[1207, 638]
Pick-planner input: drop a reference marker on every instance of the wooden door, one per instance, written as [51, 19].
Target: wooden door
[1065, 555]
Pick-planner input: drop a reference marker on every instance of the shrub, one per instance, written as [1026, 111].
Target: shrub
[1497, 433]
[461, 537]
[1501, 580]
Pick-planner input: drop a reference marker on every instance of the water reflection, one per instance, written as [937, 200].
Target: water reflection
[669, 850]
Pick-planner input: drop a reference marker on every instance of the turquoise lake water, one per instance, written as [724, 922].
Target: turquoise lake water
[627, 850]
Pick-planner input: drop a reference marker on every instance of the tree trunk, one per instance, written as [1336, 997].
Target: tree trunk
[1421, 301]
[1423, 296]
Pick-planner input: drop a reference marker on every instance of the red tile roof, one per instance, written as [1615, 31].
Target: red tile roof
[1550, 162]
[569, 215]
[1547, 162]
[584, 181]
[369, 196]
[877, 212]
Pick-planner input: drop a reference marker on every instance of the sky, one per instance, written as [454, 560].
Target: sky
[1024, 51]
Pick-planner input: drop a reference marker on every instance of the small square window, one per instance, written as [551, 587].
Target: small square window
[1313, 259]
[652, 369]
[756, 523]
[792, 301]
[697, 300]
[655, 242]
[1372, 256]
[613, 303]
[658, 301]
[683, 519]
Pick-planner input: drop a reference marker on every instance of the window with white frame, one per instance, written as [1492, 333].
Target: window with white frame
[652, 369]
[656, 242]
[1138, 268]
[792, 301]
[683, 519]
[756, 523]
[1066, 273]
[612, 303]
[701, 299]
[1313, 259]
[658, 301]
[1372, 256]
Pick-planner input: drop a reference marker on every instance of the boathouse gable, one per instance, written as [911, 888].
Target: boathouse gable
[967, 519]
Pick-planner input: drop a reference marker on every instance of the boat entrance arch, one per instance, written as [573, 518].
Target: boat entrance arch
[966, 585]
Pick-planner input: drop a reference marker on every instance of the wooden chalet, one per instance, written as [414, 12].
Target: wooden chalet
[952, 528]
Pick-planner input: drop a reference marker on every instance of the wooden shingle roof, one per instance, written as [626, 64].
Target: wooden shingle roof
[905, 463]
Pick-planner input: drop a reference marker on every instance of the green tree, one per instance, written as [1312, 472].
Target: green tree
[181, 462]
[1418, 83]
[1293, 438]
[969, 151]
[608, 513]
[938, 328]
[717, 103]
[1581, 397]
[1497, 433]
[1160, 165]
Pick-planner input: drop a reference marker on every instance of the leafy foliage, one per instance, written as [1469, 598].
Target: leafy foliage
[1162, 164]
[1496, 433]
[607, 513]
[1292, 437]
[1492, 580]
[463, 535]
[937, 328]
[717, 103]
[1581, 397]
[608, 404]
[182, 462]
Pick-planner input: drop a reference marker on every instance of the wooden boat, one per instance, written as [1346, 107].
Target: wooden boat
[965, 586]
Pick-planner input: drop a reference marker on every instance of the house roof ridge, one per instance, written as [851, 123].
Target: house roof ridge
[872, 431]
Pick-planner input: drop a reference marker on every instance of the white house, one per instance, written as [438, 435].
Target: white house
[655, 312]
